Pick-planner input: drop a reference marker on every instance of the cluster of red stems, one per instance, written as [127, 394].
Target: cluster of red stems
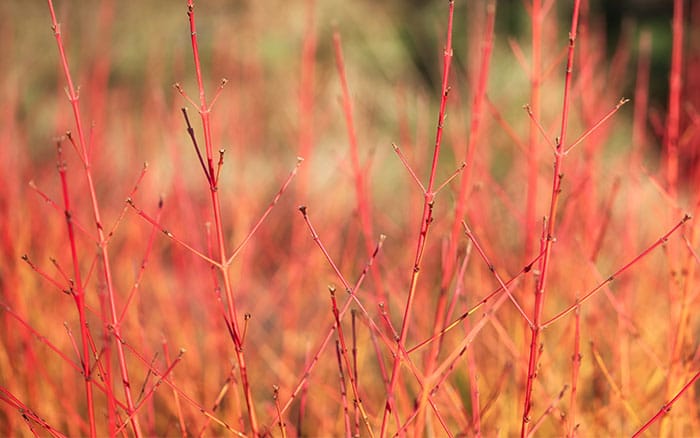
[464, 319]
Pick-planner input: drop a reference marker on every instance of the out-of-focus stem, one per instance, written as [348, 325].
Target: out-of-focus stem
[675, 86]
[532, 155]
[364, 209]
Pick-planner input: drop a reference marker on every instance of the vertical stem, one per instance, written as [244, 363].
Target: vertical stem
[474, 139]
[672, 161]
[101, 241]
[674, 100]
[449, 267]
[78, 295]
[361, 193]
[425, 221]
[576, 361]
[550, 228]
[641, 97]
[204, 111]
[473, 387]
[532, 156]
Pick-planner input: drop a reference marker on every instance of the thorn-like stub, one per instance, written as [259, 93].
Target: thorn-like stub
[687, 217]
[302, 209]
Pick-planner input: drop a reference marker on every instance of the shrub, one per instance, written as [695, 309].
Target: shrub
[499, 270]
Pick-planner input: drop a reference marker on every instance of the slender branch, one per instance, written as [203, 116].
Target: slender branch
[548, 237]
[663, 239]
[425, 222]
[666, 408]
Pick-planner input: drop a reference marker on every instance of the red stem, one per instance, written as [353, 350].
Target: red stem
[464, 190]
[536, 18]
[667, 406]
[79, 292]
[364, 209]
[576, 360]
[663, 239]
[641, 97]
[353, 314]
[474, 389]
[675, 85]
[101, 240]
[204, 112]
[343, 391]
[352, 291]
[344, 353]
[549, 236]
[176, 397]
[27, 413]
[425, 221]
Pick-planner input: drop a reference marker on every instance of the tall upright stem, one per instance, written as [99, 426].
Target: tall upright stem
[426, 219]
[79, 295]
[532, 156]
[674, 99]
[85, 156]
[548, 238]
[204, 111]
[475, 129]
